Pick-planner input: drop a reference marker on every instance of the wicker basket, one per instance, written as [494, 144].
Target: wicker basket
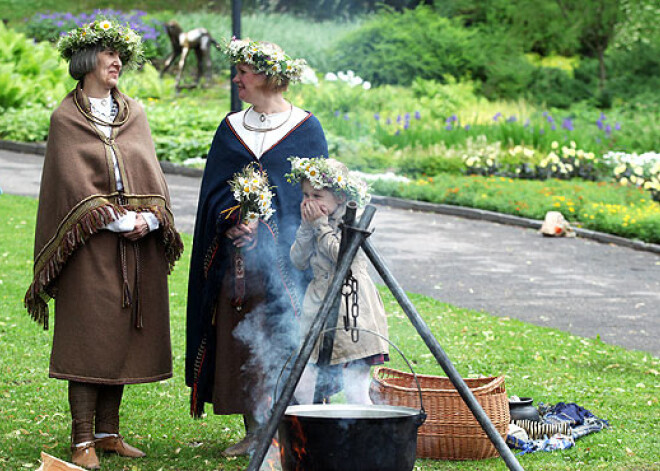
[450, 432]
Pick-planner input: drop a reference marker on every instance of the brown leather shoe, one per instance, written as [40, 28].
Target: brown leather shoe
[119, 446]
[85, 456]
[243, 447]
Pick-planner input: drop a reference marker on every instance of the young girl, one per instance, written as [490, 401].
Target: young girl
[326, 187]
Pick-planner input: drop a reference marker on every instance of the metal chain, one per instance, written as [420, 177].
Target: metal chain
[352, 311]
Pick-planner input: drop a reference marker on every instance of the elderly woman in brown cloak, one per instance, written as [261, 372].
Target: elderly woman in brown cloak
[104, 244]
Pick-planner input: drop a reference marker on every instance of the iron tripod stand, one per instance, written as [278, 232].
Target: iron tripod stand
[355, 236]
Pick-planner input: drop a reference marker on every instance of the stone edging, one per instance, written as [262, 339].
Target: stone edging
[460, 211]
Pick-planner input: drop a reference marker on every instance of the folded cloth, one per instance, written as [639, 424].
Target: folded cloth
[574, 421]
[582, 421]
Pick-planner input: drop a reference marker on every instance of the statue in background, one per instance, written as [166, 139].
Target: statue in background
[198, 40]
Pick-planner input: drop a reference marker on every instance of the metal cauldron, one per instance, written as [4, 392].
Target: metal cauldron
[349, 437]
[346, 437]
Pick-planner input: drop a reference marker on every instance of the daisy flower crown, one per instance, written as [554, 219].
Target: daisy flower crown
[106, 33]
[265, 58]
[328, 174]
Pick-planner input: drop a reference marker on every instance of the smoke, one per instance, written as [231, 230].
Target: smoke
[270, 330]
[271, 337]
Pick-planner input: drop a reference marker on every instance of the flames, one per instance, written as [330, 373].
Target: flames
[274, 457]
[299, 440]
[290, 455]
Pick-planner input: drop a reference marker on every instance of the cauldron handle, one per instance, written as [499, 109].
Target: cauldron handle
[422, 411]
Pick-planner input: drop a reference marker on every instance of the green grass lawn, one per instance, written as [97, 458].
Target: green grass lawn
[546, 364]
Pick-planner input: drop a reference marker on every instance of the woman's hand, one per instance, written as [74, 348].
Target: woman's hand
[243, 235]
[310, 211]
[140, 230]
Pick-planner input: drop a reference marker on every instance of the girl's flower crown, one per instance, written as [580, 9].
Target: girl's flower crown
[111, 35]
[265, 58]
[331, 174]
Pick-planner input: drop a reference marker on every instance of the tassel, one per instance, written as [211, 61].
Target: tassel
[126, 299]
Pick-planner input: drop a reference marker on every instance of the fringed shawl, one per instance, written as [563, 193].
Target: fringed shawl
[78, 195]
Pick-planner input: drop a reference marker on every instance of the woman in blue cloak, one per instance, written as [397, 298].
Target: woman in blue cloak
[244, 294]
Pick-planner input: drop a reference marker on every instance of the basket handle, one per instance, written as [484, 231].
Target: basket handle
[422, 411]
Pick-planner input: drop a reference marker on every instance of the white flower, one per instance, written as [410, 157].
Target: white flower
[312, 172]
[308, 76]
[105, 24]
[330, 77]
[366, 85]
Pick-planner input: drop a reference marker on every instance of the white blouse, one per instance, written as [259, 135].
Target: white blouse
[103, 109]
[259, 142]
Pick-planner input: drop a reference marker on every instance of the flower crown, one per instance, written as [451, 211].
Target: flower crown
[111, 35]
[265, 58]
[331, 174]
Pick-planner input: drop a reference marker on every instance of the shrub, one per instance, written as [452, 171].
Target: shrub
[30, 73]
[29, 124]
[555, 88]
[396, 47]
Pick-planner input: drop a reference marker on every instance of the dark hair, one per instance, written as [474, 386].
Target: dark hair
[83, 61]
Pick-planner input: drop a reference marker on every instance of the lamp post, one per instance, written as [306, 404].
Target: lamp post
[236, 104]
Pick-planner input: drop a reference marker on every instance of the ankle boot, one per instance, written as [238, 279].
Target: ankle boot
[85, 456]
[244, 447]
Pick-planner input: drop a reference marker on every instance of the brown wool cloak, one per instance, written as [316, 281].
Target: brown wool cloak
[111, 318]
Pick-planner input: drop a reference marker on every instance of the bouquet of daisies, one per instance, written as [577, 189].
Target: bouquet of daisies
[253, 194]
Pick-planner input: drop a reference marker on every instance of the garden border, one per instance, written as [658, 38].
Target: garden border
[460, 211]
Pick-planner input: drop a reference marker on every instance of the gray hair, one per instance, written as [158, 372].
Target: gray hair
[83, 61]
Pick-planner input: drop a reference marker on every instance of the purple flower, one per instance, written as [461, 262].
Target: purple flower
[608, 129]
[377, 116]
[346, 117]
[567, 124]
[497, 116]
[337, 114]
[398, 131]
[418, 115]
[617, 126]
[527, 123]
[407, 117]
[600, 124]
[398, 118]
[553, 127]
[448, 127]
[406, 125]
[467, 127]
[512, 119]
[549, 118]
[388, 121]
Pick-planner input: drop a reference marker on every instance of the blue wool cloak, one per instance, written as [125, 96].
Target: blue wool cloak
[210, 261]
